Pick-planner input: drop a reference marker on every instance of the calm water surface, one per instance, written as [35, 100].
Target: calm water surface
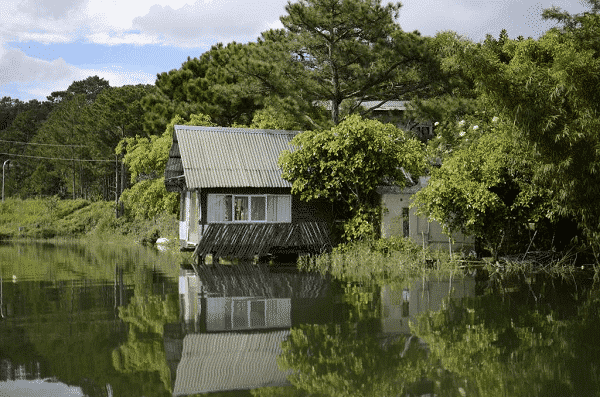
[109, 320]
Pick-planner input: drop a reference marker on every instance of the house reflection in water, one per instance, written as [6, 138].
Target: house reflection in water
[235, 318]
[401, 305]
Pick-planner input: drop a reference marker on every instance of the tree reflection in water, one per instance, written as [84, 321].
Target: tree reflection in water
[342, 360]
[526, 337]
[538, 339]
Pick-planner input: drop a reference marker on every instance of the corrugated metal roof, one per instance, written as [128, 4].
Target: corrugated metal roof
[387, 105]
[228, 361]
[232, 157]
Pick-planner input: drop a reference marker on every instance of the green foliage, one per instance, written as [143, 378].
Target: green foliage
[351, 49]
[115, 114]
[210, 84]
[362, 224]
[548, 89]
[386, 260]
[347, 162]
[146, 159]
[65, 129]
[90, 88]
[271, 118]
[485, 186]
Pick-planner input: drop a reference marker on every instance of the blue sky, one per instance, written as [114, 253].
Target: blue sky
[45, 45]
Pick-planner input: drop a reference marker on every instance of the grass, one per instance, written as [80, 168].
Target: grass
[397, 260]
[53, 218]
[394, 259]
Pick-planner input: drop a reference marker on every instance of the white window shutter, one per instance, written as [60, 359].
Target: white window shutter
[216, 210]
[271, 208]
[284, 208]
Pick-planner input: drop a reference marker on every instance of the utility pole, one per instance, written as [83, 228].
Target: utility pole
[3, 165]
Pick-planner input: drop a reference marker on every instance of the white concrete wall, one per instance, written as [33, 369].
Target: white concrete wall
[422, 231]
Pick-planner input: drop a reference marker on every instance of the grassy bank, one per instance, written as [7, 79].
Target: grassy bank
[54, 218]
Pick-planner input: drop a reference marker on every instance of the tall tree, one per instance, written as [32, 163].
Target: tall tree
[548, 88]
[209, 85]
[89, 87]
[352, 49]
[15, 140]
[116, 113]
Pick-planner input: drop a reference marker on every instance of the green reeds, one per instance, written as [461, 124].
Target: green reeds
[384, 260]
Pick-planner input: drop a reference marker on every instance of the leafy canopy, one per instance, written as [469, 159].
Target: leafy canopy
[351, 49]
[549, 89]
[146, 159]
[485, 185]
[347, 162]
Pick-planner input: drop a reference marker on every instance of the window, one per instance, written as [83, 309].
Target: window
[248, 313]
[249, 208]
[405, 222]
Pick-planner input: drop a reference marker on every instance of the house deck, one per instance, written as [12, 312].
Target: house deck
[249, 240]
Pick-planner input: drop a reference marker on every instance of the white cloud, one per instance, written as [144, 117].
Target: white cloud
[118, 14]
[49, 9]
[35, 78]
[170, 22]
[15, 66]
[213, 21]
[476, 18]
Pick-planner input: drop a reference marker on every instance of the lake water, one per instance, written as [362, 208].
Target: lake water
[106, 320]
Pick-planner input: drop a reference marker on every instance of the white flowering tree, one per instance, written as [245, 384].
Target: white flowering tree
[485, 185]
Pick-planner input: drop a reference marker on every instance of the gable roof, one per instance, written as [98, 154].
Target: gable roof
[227, 157]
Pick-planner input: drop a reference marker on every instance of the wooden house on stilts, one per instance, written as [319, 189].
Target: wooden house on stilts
[234, 202]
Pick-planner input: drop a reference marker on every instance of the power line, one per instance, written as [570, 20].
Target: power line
[41, 144]
[56, 158]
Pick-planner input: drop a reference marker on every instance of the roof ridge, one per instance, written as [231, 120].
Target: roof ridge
[236, 129]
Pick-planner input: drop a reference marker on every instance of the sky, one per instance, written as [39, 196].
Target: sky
[45, 45]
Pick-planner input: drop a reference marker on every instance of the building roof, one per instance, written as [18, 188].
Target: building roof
[395, 189]
[226, 157]
[215, 362]
[387, 105]
[376, 105]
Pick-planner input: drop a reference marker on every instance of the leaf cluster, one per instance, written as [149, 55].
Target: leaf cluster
[548, 89]
[146, 158]
[348, 161]
[485, 186]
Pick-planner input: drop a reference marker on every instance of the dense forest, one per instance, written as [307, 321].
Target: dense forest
[513, 161]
